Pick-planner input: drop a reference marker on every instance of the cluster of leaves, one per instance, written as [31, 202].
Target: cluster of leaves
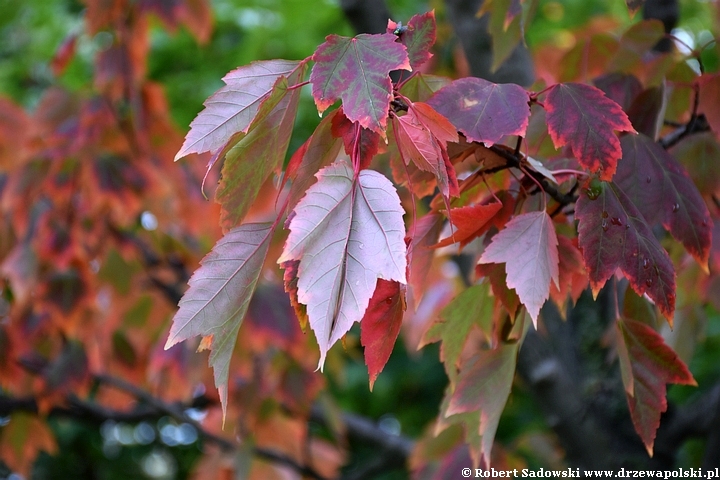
[536, 185]
[99, 229]
[96, 244]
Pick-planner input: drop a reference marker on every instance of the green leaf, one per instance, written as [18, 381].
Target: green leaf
[471, 307]
[483, 388]
[250, 162]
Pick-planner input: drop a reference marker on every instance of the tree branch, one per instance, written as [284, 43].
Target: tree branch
[150, 408]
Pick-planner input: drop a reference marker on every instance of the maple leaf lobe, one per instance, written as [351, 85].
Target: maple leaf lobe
[356, 71]
[583, 117]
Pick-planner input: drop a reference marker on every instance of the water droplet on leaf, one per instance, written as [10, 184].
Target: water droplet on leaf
[649, 282]
[604, 225]
[616, 221]
[646, 263]
[648, 179]
[676, 207]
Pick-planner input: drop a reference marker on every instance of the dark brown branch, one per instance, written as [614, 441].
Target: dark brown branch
[514, 162]
[149, 408]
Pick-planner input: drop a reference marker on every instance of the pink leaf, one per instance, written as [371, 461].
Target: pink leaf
[346, 232]
[233, 108]
[422, 137]
[220, 291]
[418, 37]
[528, 247]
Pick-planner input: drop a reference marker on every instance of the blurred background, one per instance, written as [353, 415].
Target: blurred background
[148, 238]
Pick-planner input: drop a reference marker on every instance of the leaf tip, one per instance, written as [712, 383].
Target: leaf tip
[649, 448]
[222, 392]
[171, 342]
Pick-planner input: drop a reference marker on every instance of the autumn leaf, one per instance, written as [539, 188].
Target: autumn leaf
[483, 386]
[321, 149]
[663, 192]
[584, 118]
[421, 86]
[346, 232]
[232, 109]
[418, 36]
[250, 162]
[528, 248]
[472, 307]
[24, 436]
[647, 365]
[572, 274]
[361, 144]
[423, 234]
[290, 280]
[495, 273]
[422, 137]
[647, 110]
[380, 326]
[220, 291]
[613, 234]
[621, 88]
[471, 222]
[483, 111]
[356, 70]
[709, 102]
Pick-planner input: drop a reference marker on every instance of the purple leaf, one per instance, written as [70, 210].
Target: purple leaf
[613, 234]
[664, 193]
[356, 70]
[418, 37]
[484, 111]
